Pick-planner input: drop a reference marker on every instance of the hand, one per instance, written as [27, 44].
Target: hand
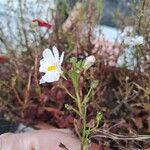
[52, 139]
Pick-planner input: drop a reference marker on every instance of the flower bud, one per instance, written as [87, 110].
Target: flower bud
[99, 116]
[89, 61]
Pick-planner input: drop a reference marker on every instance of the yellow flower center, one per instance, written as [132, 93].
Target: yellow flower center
[52, 68]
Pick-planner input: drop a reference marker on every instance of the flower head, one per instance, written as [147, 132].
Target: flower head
[130, 38]
[42, 23]
[2, 59]
[89, 61]
[133, 41]
[51, 65]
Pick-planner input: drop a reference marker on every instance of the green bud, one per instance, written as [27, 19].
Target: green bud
[99, 116]
[94, 84]
[68, 107]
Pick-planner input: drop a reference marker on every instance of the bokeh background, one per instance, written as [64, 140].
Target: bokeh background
[116, 32]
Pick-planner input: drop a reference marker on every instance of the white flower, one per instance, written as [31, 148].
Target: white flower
[51, 65]
[127, 31]
[89, 61]
[133, 41]
[130, 39]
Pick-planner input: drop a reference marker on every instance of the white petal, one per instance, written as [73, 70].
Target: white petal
[61, 58]
[47, 54]
[139, 40]
[89, 61]
[44, 65]
[42, 81]
[56, 54]
[51, 76]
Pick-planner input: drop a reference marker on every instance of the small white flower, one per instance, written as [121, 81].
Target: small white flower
[51, 65]
[127, 31]
[133, 41]
[89, 61]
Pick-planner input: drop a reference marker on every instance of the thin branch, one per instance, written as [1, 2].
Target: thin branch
[105, 134]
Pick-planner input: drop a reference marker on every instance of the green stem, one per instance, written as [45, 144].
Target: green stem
[69, 93]
[88, 94]
[83, 110]
[76, 111]
[84, 125]
[94, 128]
[79, 104]
[88, 133]
[78, 133]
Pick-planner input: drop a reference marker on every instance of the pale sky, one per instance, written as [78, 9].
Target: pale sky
[50, 2]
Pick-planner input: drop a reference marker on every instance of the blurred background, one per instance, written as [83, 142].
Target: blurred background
[116, 32]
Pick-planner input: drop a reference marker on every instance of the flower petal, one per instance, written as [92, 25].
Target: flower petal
[61, 58]
[56, 54]
[47, 54]
[42, 81]
[42, 23]
[44, 63]
[51, 76]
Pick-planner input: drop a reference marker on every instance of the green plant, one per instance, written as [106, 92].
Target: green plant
[85, 128]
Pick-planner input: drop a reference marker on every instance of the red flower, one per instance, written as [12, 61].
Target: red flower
[42, 23]
[2, 59]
